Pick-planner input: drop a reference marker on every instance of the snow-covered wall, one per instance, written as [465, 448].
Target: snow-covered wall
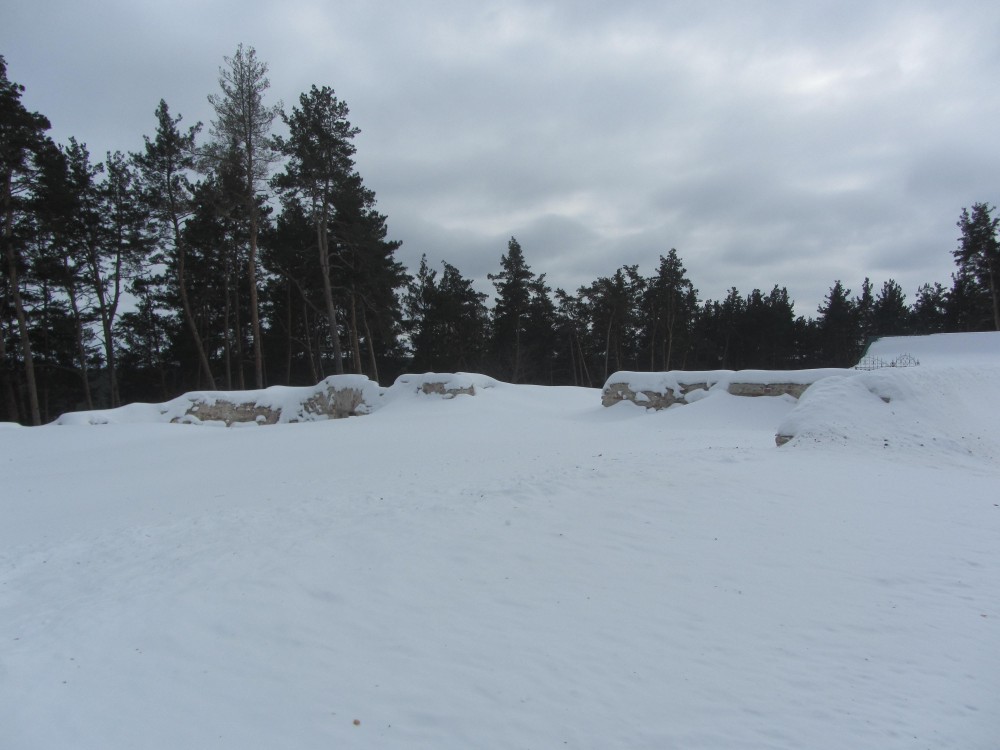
[659, 390]
[335, 397]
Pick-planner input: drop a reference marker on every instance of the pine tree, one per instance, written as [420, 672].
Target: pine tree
[613, 310]
[320, 164]
[243, 126]
[447, 320]
[978, 253]
[929, 313]
[165, 166]
[370, 276]
[838, 328]
[22, 140]
[68, 232]
[890, 315]
[672, 303]
[510, 312]
[127, 246]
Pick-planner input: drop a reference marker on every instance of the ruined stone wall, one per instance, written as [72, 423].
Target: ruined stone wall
[662, 390]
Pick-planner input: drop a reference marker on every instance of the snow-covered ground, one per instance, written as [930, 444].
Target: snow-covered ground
[522, 568]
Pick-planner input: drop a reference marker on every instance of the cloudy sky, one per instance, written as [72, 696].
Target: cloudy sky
[774, 142]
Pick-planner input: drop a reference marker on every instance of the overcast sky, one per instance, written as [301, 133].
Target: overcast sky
[789, 143]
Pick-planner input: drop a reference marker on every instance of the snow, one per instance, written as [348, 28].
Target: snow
[518, 568]
[675, 380]
[940, 348]
[289, 401]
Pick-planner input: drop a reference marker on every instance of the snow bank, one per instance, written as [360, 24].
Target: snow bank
[947, 400]
[923, 409]
[335, 397]
[939, 348]
[520, 569]
[447, 385]
[659, 390]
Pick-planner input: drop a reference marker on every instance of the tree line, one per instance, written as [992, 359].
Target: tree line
[245, 259]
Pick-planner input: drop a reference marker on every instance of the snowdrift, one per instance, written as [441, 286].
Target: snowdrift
[660, 390]
[336, 397]
[524, 568]
[944, 405]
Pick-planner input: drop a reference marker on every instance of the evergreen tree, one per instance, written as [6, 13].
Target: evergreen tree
[864, 306]
[243, 126]
[929, 313]
[127, 246]
[613, 306]
[672, 302]
[22, 141]
[447, 321]
[68, 232]
[371, 278]
[216, 253]
[978, 254]
[838, 328]
[295, 297]
[147, 368]
[890, 315]
[356, 267]
[165, 166]
[320, 153]
[571, 326]
[510, 312]
[718, 330]
[539, 343]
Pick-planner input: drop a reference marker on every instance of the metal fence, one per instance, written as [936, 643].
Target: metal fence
[877, 363]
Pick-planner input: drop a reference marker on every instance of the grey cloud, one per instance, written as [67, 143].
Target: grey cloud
[789, 143]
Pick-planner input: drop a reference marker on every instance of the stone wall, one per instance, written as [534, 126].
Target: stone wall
[662, 390]
[336, 397]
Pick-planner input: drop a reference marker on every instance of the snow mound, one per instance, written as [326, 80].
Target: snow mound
[446, 385]
[336, 396]
[660, 390]
[949, 410]
[939, 348]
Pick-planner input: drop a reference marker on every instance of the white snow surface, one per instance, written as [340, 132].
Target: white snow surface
[940, 348]
[675, 380]
[522, 568]
[289, 401]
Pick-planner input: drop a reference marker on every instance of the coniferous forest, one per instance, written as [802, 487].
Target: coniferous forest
[228, 257]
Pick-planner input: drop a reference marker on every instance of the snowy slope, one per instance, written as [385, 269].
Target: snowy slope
[522, 568]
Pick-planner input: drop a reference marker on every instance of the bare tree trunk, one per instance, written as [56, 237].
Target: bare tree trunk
[15, 292]
[607, 350]
[81, 351]
[206, 369]
[669, 354]
[9, 397]
[258, 357]
[308, 344]
[227, 333]
[241, 382]
[515, 375]
[583, 362]
[355, 344]
[994, 293]
[323, 240]
[107, 312]
[371, 347]
[288, 331]
[652, 343]
[572, 359]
